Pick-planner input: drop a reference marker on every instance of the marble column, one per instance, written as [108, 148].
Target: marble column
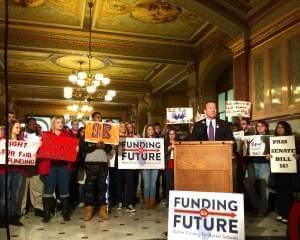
[192, 88]
[155, 112]
[133, 112]
[240, 51]
[141, 116]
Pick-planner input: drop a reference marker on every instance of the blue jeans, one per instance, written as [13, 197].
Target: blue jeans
[59, 176]
[262, 171]
[81, 193]
[149, 179]
[15, 180]
[126, 186]
[256, 185]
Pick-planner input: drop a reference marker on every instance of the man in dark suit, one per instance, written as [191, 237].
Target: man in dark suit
[211, 128]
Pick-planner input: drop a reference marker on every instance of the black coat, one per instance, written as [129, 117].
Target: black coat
[288, 180]
[223, 131]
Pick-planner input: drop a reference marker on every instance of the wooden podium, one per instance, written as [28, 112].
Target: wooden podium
[203, 166]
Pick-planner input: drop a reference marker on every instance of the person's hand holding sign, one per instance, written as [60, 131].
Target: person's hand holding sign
[100, 144]
[297, 156]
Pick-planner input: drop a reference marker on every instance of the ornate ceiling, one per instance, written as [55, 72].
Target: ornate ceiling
[144, 46]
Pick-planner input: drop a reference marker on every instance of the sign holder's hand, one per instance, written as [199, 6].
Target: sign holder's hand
[100, 144]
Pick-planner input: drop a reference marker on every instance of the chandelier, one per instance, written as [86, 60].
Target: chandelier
[86, 83]
[79, 109]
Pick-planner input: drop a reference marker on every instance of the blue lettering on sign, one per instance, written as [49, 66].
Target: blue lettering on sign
[206, 214]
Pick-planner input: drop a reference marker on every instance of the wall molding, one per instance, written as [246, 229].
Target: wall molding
[265, 34]
[275, 28]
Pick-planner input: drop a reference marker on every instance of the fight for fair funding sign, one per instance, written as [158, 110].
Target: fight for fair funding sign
[283, 154]
[206, 216]
[19, 152]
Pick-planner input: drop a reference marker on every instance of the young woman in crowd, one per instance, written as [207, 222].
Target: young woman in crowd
[56, 173]
[149, 176]
[257, 175]
[96, 167]
[74, 128]
[161, 178]
[131, 132]
[285, 183]
[125, 181]
[169, 159]
[15, 179]
[73, 132]
[81, 176]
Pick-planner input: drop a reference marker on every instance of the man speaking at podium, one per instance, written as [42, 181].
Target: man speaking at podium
[211, 128]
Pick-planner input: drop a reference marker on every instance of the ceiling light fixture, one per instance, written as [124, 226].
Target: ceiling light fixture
[88, 82]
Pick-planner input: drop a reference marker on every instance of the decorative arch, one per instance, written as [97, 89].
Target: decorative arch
[209, 75]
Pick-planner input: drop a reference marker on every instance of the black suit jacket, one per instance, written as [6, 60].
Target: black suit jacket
[222, 131]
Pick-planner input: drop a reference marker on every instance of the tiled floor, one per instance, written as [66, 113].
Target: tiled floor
[143, 225]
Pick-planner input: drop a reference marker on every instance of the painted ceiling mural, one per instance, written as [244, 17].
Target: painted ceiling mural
[151, 18]
[37, 66]
[64, 13]
[126, 73]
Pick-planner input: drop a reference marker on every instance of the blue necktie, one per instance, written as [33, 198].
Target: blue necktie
[211, 132]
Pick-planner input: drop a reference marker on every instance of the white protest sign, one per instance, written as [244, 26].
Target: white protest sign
[199, 117]
[238, 137]
[283, 151]
[19, 152]
[257, 145]
[206, 216]
[141, 153]
[179, 115]
[238, 109]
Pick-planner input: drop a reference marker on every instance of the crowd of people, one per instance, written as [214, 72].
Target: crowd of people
[91, 182]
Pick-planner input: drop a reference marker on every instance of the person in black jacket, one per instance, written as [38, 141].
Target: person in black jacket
[211, 128]
[285, 183]
[169, 160]
[96, 167]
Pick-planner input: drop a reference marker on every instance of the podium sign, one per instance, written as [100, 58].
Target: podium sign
[206, 216]
[203, 166]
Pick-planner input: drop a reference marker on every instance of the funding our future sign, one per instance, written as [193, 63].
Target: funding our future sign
[19, 152]
[141, 153]
[283, 151]
[99, 131]
[206, 216]
[179, 115]
[238, 109]
[58, 147]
